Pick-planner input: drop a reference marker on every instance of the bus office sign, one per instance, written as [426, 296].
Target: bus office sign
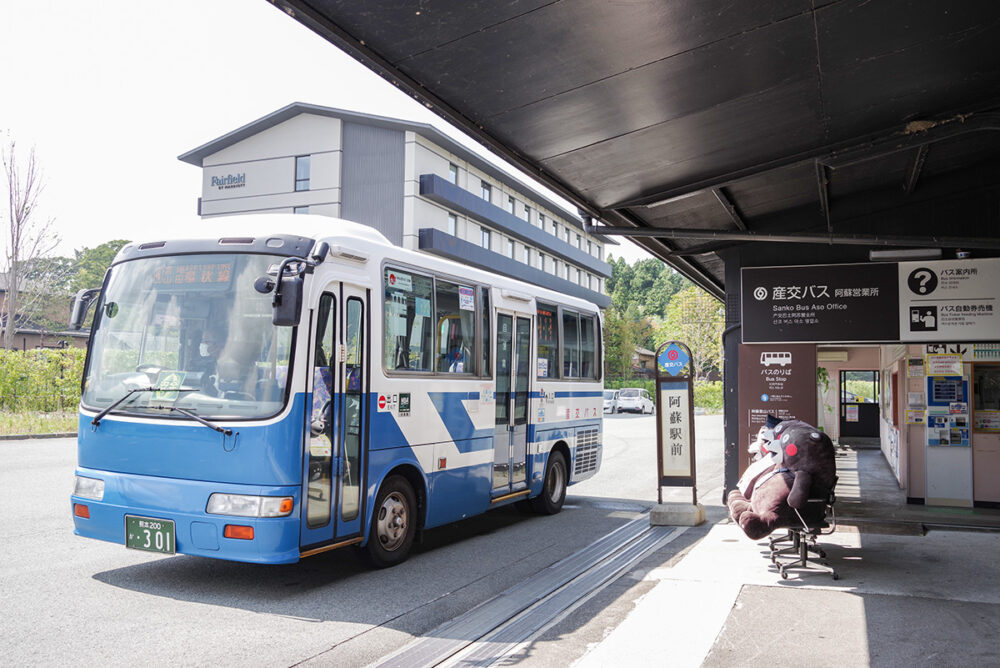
[838, 302]
[675, 418]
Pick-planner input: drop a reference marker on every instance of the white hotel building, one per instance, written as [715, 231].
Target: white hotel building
[420, 188]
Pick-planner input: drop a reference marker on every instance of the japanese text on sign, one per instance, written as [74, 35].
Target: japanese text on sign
[674, 416]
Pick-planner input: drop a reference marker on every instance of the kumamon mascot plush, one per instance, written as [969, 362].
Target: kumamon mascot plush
[800, 465]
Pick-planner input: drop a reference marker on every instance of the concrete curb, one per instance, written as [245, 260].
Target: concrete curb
[22, 437]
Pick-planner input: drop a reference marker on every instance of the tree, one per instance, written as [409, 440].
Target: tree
[622, 333]
[92, 263]
[697, 319]
[28, 238]
[647, 285]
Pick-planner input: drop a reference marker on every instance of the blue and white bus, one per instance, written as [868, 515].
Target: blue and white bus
[300, 384]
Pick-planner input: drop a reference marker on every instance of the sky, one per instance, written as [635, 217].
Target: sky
[110, 92]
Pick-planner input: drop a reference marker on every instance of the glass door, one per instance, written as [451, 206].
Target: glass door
[513, 364]
[335, 442]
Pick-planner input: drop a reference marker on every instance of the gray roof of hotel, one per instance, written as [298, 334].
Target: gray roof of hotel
[197, 155]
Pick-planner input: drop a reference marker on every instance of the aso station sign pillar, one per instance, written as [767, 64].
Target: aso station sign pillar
[675, 436]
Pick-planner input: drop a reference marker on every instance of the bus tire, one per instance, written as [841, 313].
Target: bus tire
[550, 501]
[394, 523]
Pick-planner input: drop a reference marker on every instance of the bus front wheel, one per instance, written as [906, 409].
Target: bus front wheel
[550, 501]
[393, 523]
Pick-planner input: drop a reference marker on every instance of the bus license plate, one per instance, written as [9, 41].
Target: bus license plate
[149, 534]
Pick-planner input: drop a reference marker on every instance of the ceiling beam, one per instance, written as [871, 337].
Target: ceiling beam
[836, 155]
[914, 168]
[730, 208]
[823, 181]
[827, 239]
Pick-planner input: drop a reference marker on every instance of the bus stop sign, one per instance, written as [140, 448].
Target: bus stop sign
[675, 418]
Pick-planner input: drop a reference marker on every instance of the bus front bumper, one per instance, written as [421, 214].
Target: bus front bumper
[183, 502]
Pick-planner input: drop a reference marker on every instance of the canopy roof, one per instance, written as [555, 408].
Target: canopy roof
[715, 124]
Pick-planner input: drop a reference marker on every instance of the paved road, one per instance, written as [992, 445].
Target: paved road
[73, 600]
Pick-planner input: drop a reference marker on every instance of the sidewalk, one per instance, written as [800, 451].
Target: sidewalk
[903, 598]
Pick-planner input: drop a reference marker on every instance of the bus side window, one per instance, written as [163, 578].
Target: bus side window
[408, 328]
[588, 350]
[571, 344]
[456, 317]
[548, 342]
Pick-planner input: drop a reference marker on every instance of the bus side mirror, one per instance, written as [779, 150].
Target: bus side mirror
[81, 304]
[288, 301]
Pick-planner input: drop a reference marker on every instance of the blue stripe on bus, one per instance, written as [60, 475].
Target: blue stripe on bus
[578, 395]
[456, 416]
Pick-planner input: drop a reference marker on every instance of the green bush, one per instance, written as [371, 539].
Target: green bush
[40, 380]
[707, 395]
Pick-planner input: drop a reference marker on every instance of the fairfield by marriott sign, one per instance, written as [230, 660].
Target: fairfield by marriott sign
[229, 181]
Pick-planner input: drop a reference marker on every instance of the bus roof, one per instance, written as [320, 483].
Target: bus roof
[336, 232]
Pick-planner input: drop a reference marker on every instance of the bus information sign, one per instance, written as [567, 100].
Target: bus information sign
[194, 273]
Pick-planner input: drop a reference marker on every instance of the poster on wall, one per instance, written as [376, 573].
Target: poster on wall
[949, 300]
[914, 416]
[779, 380]
[915, 367]
[944, 365]
[947, 417]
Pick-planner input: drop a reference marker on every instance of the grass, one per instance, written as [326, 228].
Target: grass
[37, 422]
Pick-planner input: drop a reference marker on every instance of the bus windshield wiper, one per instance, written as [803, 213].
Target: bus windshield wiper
[97, 418]
[198, 418]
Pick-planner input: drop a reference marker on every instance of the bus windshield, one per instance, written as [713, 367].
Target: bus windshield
[192, 322]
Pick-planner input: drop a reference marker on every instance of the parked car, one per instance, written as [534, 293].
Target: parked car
[635, 400]
[611, 401]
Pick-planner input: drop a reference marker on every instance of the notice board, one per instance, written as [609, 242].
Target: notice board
[776, 379]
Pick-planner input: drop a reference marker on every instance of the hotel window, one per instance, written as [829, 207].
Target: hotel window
[555, 229]
[527, 213]
[541, 261]
[484, 239]
[510, 248]
[576, 276]
[453, 173]
[300, 209]
[487, 192]
[598, 254]
[590, 282]
[566, 235]
[452, 224]
[579, 242]
[526, 256]
[510, 205]
[302, 172]
[541, 220]
[590, 247]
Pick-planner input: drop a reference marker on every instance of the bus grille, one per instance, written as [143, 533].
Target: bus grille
[587, 444]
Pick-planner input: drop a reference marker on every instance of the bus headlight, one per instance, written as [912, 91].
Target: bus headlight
[243, 505]
[89, 488]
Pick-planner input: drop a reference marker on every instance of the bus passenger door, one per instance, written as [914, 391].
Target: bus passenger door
[338, 421]
[513, 366]
[321, 434]
[354, 416]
